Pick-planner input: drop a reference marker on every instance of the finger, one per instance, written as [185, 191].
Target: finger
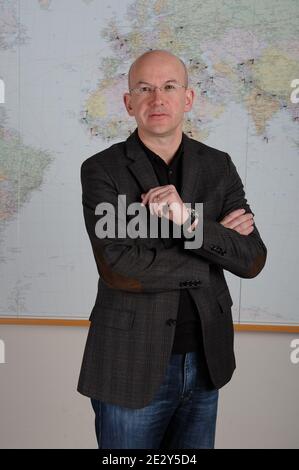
[236, 221]
[228, 218]
[157, 204]
[162, 196]
[160, 208]
[242, 219]
[166, 199]
[246, 231]
[244, 226]
[152, 193]
[157, 208]
[145, 196]
[151, 207]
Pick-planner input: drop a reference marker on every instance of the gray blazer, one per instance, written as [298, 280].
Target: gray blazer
[133, 319]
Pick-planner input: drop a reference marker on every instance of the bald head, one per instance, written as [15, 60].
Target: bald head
[155, 57]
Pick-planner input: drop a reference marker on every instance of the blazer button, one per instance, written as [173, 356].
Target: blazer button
[171, 321]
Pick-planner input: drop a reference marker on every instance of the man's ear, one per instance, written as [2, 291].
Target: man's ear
[190, 95]
[128, 105]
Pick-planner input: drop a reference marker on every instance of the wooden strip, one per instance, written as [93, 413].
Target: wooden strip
[59, 322]
[43, 321]
[271, 328]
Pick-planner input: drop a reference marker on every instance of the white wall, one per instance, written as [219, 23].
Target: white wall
[40, 407]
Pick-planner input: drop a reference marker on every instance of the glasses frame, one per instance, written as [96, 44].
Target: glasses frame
[153, 88]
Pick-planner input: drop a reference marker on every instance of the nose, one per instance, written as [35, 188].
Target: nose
[157, 95]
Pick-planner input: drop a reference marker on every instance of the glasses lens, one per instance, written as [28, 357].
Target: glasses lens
[169, 88]
[149, 90]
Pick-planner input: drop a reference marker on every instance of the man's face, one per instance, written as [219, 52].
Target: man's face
[160, 113]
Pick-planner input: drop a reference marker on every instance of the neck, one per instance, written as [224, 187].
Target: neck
[165, 145]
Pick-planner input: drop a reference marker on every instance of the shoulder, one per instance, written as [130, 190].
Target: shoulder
[204, 148]
[105, 158]
[210, 155]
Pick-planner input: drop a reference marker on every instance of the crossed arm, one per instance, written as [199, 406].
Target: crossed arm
[239, 221]
[130, 264]
[233, 242]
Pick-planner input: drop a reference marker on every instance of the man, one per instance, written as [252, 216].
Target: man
[160, 343]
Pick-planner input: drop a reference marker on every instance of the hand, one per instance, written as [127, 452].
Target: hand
[165, 201]
[238, 221]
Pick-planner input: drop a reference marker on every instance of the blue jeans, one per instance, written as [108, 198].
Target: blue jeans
[182, 414]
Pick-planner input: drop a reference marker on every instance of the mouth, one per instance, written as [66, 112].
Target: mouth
[158, 115]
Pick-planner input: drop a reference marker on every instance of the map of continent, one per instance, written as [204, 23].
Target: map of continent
[64, 69]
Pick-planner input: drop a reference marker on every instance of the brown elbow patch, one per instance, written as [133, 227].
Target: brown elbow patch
[115, 280]
[257, 266]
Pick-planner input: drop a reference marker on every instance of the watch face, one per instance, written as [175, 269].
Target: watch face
[194, 214]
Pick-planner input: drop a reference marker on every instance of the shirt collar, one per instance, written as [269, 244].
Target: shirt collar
[154, 156]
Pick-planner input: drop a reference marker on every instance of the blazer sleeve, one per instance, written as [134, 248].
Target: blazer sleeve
[242, 255]
[131, 264]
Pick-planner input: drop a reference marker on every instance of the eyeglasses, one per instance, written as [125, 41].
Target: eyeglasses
[148, 90]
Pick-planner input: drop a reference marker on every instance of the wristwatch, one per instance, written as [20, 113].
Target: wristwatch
[193, 215]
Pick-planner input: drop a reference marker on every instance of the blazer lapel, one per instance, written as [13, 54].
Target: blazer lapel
[192, 172]
[141, 167]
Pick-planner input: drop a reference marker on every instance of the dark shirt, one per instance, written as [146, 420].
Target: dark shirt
[188, 334]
